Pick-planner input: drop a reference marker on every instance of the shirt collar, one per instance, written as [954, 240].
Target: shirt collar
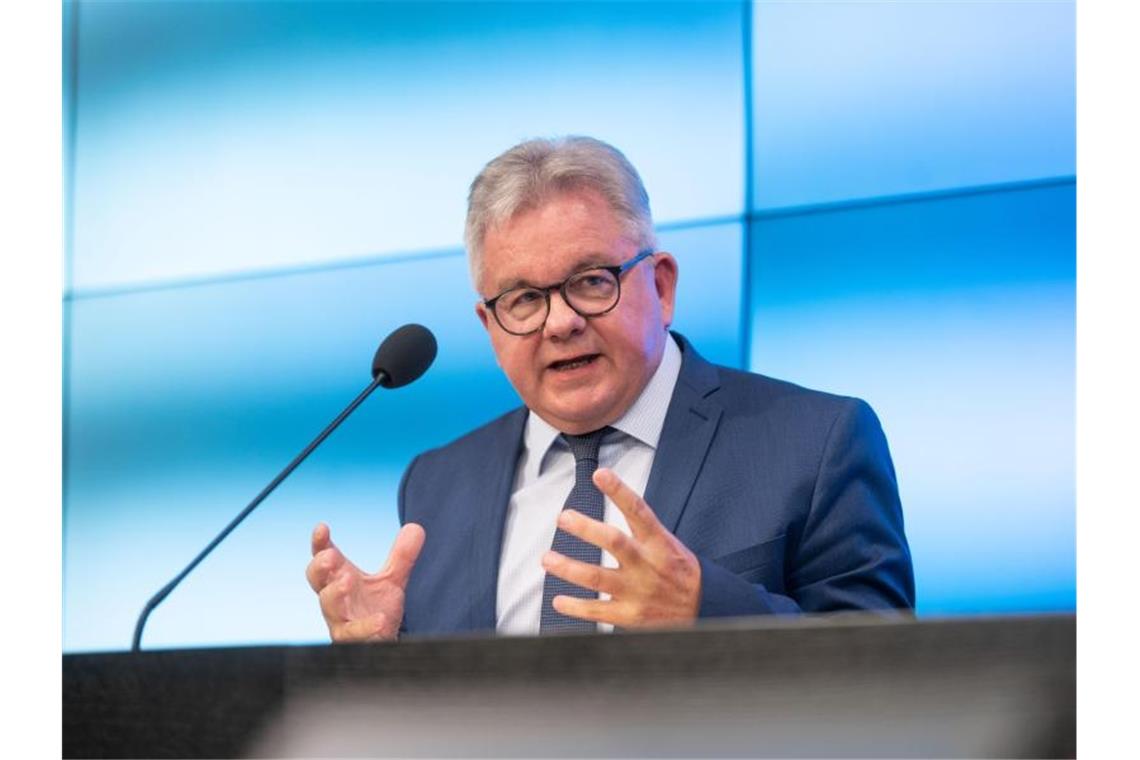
[643, 421]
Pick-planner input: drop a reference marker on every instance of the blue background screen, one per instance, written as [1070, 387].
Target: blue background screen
[873, 199]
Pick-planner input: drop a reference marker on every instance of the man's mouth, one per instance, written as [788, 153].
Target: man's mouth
[563, 365]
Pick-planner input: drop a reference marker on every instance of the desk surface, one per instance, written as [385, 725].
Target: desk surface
[849, 685]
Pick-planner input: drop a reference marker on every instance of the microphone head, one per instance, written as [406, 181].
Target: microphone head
[404, 355]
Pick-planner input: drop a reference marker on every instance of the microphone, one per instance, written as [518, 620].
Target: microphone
[403, 356]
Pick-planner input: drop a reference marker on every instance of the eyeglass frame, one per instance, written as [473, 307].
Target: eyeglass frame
[617, 270]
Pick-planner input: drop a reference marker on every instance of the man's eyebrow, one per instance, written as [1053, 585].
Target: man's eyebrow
[512, 284]
[589, 261]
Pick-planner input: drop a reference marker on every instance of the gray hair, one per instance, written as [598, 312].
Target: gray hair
[529, 174]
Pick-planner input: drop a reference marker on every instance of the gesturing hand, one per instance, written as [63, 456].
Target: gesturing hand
[657, 581]
[358, 606]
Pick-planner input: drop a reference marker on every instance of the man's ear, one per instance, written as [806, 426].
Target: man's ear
[665, 274]
[481, 312]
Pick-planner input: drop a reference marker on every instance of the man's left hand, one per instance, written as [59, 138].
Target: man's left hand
[657, 581]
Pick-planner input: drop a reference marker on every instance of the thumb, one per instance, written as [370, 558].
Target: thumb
[405, 551]
[321, 539]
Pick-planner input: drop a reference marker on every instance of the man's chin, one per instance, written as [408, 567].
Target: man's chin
[578, 418]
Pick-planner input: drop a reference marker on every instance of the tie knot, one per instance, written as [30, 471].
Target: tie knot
[585, 446]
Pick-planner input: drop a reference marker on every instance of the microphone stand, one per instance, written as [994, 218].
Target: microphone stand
[381, 378]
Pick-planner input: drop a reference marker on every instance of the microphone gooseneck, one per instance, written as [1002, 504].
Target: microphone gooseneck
[403, 357]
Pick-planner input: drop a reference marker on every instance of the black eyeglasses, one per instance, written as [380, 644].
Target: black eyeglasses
[591, 293]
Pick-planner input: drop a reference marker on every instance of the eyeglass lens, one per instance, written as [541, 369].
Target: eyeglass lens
[589, 293]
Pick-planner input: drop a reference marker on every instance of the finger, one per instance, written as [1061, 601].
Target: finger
[605, 537]
[597, 610]
[405, 551]
[642, 521]
[584, 574]
[321, 539]
[322, 567]
[334, 602]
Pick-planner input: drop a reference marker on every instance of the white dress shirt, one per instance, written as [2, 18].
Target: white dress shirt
[544, 477]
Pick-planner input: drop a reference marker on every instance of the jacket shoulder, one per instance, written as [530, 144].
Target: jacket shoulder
[461, 465]
[752, 392]
[474, 445]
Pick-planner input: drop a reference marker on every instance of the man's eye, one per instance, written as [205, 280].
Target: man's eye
[592, 284]
[523, 298]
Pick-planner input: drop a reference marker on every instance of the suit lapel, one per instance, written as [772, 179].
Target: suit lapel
[489, 502]
[690, 424]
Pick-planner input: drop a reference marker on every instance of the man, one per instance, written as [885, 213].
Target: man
[639, 486]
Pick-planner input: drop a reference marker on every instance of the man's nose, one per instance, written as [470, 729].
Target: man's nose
[562, 321]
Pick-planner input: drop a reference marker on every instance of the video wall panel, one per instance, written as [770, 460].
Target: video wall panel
[185, 401]
[867, 99]
[215, 138]
[955, 318]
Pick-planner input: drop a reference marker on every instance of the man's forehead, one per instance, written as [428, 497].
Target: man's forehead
[547, 242]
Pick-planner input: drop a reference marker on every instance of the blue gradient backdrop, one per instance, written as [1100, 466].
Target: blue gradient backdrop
[875, 199]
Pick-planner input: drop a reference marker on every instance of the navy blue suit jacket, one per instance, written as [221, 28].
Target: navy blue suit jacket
[787, 496]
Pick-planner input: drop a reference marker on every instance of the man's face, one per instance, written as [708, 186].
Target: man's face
[578, 374]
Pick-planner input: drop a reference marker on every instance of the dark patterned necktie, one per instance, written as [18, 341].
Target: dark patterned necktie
[587, 499]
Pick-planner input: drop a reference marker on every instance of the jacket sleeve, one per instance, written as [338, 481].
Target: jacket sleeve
[851, 552]
[402, 511]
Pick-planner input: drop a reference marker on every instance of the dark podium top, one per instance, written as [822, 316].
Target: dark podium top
[848, 685]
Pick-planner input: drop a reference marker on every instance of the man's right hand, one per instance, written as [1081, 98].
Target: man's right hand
[358, 606]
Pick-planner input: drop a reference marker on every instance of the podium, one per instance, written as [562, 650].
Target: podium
[843, 685]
